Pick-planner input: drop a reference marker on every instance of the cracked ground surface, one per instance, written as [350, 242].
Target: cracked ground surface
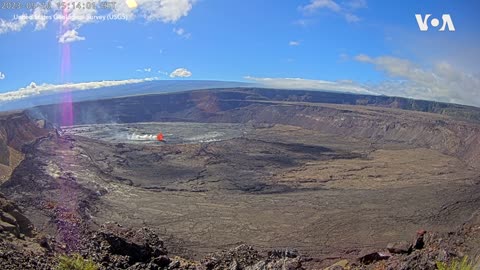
[274, 187]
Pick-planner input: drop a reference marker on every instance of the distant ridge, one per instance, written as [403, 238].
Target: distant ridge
[150, 87]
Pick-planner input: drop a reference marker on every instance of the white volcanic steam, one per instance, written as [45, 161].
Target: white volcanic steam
[142, 137]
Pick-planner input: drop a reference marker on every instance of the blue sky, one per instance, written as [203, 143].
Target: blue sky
[371, 46]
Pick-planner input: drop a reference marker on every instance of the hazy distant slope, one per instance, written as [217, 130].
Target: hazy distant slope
[150, 87]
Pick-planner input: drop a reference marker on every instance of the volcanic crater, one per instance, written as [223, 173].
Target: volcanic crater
[326, 174]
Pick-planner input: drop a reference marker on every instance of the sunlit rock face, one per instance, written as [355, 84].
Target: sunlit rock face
[16, 130]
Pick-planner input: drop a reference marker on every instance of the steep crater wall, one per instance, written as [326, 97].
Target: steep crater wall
[448, 136]
[16, 130]
[460, 138]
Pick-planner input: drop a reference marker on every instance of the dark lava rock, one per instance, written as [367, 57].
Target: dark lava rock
[162, 261]
[119, 247]
[243, 255]
[282, 253]
[246, 257]
[43, 241]
[12, 220]
[400, 247]
[368, 257]
[174, 265]
[419, 242]
[428, 248]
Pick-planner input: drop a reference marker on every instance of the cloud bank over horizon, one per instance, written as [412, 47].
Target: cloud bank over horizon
[34, 89]
[441, 82]
[308, 84]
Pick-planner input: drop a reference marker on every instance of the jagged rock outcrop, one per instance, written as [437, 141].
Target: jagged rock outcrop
[114, 246]
[18, 247]
[16, 130]
[247, 258]
[12, 220]
[424, 252]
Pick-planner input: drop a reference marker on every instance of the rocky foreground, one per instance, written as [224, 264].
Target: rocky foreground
[112, 246]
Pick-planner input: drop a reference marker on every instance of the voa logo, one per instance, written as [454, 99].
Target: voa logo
[424, 22]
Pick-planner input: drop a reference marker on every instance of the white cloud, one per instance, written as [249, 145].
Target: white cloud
[181, 32]
[346, 9]
[351, 18]
[70, 36]
[294, 43]
[13, 25]
[181, 73]
[363, 58]
[306, 84]
[399, 68]
[441, 81]
[120, 47]
[122, 9]
[34, 89]
[167, 11]
[2, 76]
[148, 69]
[319, 4]
[40, 17]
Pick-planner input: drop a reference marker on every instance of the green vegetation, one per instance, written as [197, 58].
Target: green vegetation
[75, 262]
[463, 264]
